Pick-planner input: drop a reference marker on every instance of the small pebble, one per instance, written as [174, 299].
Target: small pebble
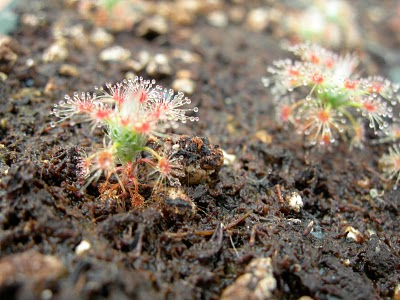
[237, 14]
[228, 158]
[294, 201]
[30, 20]
[46, 294]
[30, 63]
[156, 25]
[101, 38]
[305, 298]
[68, 70]
[186, 56]
[139, 63]
[9, 49]
[263, 136]
[184, 74]
[178, 204]
[159, 66]
[185, 85]
[83, 247]
[9, 42]
[78, 37]
[7, 58]
[50, 87]
[218, 19]
[347, 262]
[353, 234]
[56, 52]
[115, 53]
[258, 19]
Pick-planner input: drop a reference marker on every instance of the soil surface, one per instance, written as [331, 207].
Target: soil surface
[233, 236]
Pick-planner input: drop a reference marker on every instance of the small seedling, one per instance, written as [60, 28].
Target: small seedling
[326, 100]
[132, 112]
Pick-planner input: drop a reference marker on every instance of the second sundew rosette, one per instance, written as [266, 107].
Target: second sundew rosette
[323, 96]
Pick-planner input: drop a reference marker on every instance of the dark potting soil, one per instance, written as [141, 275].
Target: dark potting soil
[232, 236]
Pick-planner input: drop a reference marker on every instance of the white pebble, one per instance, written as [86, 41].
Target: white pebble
[115, 53]
[56, 52]
[83, 247]
[185, 85]
[294, 201]
[353, 234]
[101, 38]
[258, 19]
[218, 19]
[228, 158]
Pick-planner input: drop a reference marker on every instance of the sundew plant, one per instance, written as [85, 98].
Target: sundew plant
[131, 112]
[323, 96]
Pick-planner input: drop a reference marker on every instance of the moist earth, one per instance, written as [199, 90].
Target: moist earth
[232, 231]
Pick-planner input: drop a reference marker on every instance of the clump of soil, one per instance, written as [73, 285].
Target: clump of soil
[277, 220]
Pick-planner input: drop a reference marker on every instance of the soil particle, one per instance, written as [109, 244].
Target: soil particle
[228, 217]
[176, 204]
[9, 50]
[201, 160]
